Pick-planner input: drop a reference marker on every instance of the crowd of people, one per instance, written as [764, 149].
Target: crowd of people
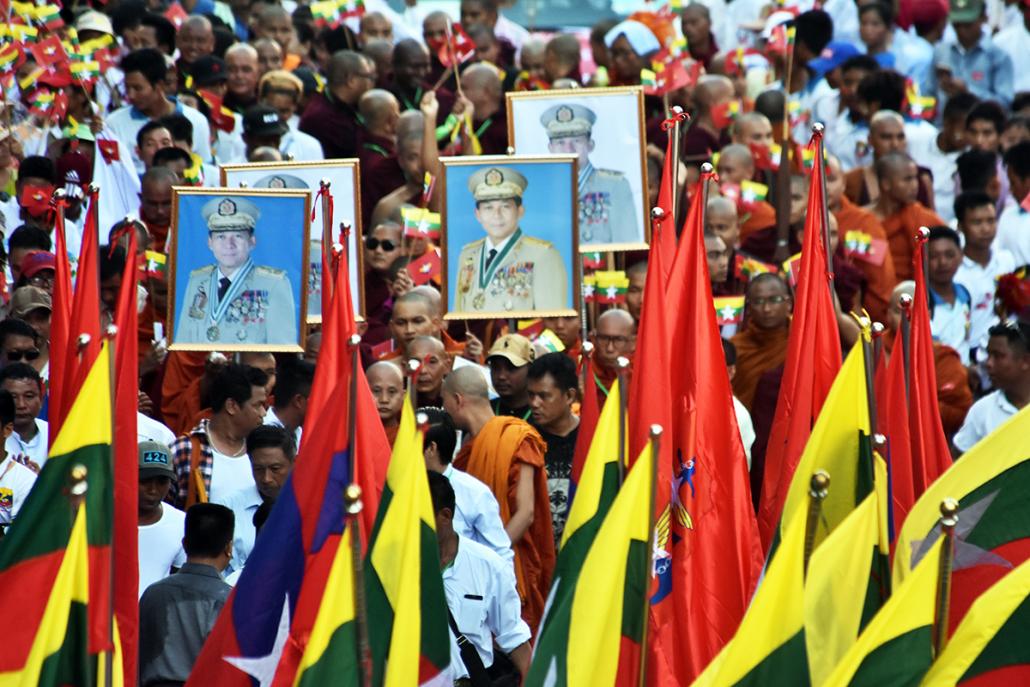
[926, 115]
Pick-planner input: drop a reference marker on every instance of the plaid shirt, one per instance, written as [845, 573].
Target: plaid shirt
[181, 450]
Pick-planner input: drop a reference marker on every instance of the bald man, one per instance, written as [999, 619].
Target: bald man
[270, 56]
[704, 137]
[332, 116]
[374, 26]
[386, 381]
[721, 220]
[242, 68]
[752, 129]
[274, 22]
[899, 210]
[435, 364]
[411, 68]
[482, 86]
[379, 111]
[381, 53]
[507, 455]
[195, 39]
[762, 342]
[434, 34]
[737, 165]
[532, 60]
[696, 22]
[615, 336]
[886, 135]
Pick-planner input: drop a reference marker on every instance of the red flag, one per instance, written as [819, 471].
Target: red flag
[457, 48]
[813, 360]
[708, 557]
[425, 268]
[125, 553]
[176, 14]
[892, 422]
[60, 328]
[48, 51]
[589, 412]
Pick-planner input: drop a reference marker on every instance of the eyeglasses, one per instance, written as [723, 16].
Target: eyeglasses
[17, 356]
[387, 245]
[619, 341]
[772, 300]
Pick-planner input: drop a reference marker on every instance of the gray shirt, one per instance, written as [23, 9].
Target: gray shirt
[175, 616]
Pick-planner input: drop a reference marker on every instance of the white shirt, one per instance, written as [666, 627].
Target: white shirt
[243, 504]
[125, 123]
[982, 419]
[982, 282]
[229, 474]
[229, 147]
[149, 429]
[922, 146]
[950, 324]
[34, 450]
[272, 419]
[303, 147]
[1014, 40]
[16, 481]
[746, 427]
[1014, 233]
[160, 546]
[476, 513]
[481, 593]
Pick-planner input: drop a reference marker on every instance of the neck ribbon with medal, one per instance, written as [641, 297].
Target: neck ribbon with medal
[221, 306]
[487, 272]
[586, 233]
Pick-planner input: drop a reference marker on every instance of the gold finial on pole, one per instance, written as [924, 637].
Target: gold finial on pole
[949, 519]
[818, 489]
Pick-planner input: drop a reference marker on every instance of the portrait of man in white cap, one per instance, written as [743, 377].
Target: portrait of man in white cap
[608, 212]
[507, 270]
[235, 301]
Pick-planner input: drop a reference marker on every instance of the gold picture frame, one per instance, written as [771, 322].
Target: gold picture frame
[329, 169]
[634, 95]
[456, 227]
[263, 198]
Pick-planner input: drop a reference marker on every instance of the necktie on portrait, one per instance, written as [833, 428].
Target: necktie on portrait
[223, 287]
[490, 256]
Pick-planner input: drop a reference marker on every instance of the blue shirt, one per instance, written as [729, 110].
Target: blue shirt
[985, 68]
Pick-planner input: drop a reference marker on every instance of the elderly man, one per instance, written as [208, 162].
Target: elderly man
[241, 63]
[614, 336]
[379, 111]
[507, 455]
[332, 116]
[435, 364]
[234, 300]
[608, 213]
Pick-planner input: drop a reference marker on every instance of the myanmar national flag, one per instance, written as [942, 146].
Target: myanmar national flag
[589, 288]
[896, 646]
[990, 646]
[421, 223]
[156, 265]
[595, 493]
[769, 646]
[611, 286]
[990, 482]
[593, 633]
[55, 573]
[752, 193]
[728, 309]
[592, 260]
[648, 79]
[408, 636]
[331, 655]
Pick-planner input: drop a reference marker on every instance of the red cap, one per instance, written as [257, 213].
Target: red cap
[36, 261]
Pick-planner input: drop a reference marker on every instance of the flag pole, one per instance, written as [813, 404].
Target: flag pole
[587, 353]
[413, 367]
[327, 213]
[818, 488]
[353, 505]
[111, 332]
[674, 198]
[706, 171]
[656, 439]
[949, 519]
[623, 365]
[906, 337]
[818, 133]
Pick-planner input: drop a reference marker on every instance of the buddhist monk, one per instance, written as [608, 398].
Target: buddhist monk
[567, 328]
[954, 396]
[386, 381]
[721, 221]
[507, 455]
[878, 267]
[762, 343]
[704, 136]
[735, 166]
[615, 335]
[886, 135]
[435, 365]
[898, 210]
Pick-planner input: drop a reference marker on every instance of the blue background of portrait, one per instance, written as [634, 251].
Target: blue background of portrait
[281, 234]
[549, 212]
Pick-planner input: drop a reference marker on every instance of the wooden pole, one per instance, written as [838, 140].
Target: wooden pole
[949, 519]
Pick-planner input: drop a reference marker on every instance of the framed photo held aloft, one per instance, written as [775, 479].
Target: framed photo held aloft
[345, 187]
[237, 269]
[510, 236]
[604, 128]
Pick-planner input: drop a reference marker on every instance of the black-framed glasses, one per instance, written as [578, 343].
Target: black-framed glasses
[386, 244]
[17, 356]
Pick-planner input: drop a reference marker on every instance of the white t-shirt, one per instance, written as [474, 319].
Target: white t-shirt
[922, 146]
[1014, 233]
[34, 449]
[160, 546]
[16, 481]
[243, 504]
[229, 474]
[149, 429]
[983, 418]
[303, 147]
[746, 427]
[476, 513]
[982, 282]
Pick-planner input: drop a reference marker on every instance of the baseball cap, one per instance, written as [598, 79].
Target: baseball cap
[516, 348]
[833, 55]
[29, 298]
[964, 11]
[262, 120]
[155, 460]
[37, 261]
[208, 71]
[92, 20]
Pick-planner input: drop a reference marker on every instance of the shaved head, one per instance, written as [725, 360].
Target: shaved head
[736, 163]
[380, 110]
[711, 90]
[431, 295]
[886, 117]
[384, 371]
[421, 346]
[893, 165]
[469, 382]
[721, 207]
[738, 153]
[617, 318]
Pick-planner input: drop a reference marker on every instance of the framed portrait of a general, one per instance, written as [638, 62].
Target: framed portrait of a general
[344, 185]
[237, 269]
[510, 238]
[604, 129]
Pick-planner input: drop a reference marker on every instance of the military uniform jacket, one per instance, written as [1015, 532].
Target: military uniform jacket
[258, 308]
[607, 211]
[528, 274]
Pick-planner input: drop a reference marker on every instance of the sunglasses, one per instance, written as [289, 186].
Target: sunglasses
[372, 243]
[18, 356]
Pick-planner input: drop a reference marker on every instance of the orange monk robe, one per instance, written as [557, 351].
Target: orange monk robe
[450, 345]
[180, 391]
[391, 433]
[880, 279]
[604, 377]
[495, 457]
[901, 228]
[953, 394]
[758, 351]
[761, 215]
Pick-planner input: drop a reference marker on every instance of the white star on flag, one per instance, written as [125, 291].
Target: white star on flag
[728, 313]
[263, 667]
[611, 292]
[588, 290]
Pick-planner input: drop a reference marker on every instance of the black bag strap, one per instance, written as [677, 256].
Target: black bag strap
[469, 655]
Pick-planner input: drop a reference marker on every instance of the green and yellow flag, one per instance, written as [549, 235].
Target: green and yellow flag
[409, 638]
[55, 574]
[992, 636]
[595, 493]
[596, 634]
[331, 654]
